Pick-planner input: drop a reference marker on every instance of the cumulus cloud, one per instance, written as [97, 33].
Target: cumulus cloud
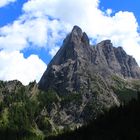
[16, 37]
[39, 31]
[14, 66]
[23, 32]
[5, 2]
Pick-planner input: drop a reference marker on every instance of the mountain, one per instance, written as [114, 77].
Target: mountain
[88, 79]
[80, 83]
[90, 72]
[69, 69]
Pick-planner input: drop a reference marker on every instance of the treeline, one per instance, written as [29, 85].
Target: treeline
[120, 123]
[20, 112]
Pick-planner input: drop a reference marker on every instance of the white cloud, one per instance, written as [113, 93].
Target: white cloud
[22, 32]
[109, 12]
[5, 2]
[14, 66]
[40, 31]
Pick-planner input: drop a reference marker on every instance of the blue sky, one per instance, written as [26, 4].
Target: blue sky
[125, 5]
[31, 31]
[11, 12]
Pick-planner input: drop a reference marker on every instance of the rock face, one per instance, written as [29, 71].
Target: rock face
[77, 57]
[116, 60]
[85, 73]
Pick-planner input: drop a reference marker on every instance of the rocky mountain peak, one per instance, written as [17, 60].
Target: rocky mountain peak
[77, 56]
[77, 36]
[83, 76]
[73, 45]
[77, 31]
[104, 43]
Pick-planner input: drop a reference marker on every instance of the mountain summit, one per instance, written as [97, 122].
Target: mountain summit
[88, 79]
[69, 69]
